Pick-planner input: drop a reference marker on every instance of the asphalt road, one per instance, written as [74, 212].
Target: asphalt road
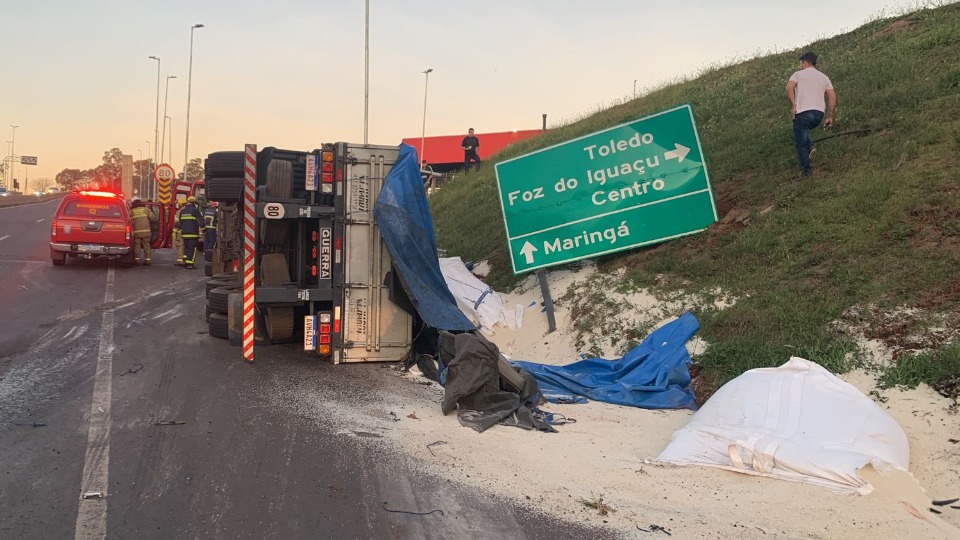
[99, 355]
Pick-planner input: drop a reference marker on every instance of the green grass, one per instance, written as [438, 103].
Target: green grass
[879, 225]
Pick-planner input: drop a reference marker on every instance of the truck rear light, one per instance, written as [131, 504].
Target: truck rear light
[327, 178]
[127, 232]
[53, 228]
[324, 338]
[325, 317]
[313, 236]
[340, 175]
[336, 319]
[324, 328]
[313, 252]
[327, 188]
[327, 167]
[327, 157]
[313, 270]
[324, 349]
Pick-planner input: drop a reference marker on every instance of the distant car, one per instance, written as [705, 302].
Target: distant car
[90, 224]
[38, 193]
[3, 191]
[53, 190]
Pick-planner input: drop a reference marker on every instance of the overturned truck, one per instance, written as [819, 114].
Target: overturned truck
[323, 275]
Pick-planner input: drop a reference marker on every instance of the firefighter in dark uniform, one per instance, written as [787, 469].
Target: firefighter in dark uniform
[190, 225]
[209, 225]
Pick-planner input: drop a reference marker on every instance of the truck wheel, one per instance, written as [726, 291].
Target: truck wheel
[279, 186]
[217, 325]
[208, 269]
[227, 275]
[127, 260]
[279, 322]
[274, 270]
[58, 258]
[223, 164]
[218, 298]
[212, 284]
[207, 311]
[224, 189]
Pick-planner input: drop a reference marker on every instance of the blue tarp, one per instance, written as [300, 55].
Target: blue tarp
[653, 375]
[403, 216]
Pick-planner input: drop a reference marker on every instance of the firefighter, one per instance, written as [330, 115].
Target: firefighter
[140, 222]
[177, 236]
[209, 225]
[190, 225]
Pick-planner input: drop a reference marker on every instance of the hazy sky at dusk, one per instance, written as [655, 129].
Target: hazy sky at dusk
[290, 73]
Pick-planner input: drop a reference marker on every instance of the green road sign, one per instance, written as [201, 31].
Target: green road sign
[634, 184]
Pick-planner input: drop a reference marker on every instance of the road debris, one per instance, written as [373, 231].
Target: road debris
[413, 415]
[655, 528]
[411, 513]
[132, 371]
[944, 502]
[94, 495]
[435, 443]
[395, 417]
[169, 423]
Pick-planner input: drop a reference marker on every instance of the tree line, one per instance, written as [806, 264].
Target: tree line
[107, 175]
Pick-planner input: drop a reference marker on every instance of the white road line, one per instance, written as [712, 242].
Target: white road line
[4, 237]
[39, 220]
[92, 513]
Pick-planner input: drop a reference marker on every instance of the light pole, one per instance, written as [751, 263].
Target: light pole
[634, 89]
[423, 131]
[156, 118]
[140, 174]
[13, 151]
[166, 93]
[186, 146]
[150, 187]
[170, 150]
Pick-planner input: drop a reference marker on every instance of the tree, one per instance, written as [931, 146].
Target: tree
[71, 179]
[109, 173]
[42, 184]
[194, 171]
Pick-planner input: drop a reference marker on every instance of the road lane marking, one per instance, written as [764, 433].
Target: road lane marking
[92, 513]
[39, 220]
[4, 237]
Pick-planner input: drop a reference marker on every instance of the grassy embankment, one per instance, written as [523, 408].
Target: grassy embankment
[872, 241]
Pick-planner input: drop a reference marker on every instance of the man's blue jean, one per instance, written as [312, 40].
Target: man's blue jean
[468, 157]
[802, 124]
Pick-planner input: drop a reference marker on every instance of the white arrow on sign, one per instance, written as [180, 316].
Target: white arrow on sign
[680, 152]
[527, 251]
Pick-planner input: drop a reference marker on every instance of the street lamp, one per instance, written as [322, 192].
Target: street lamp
[150, 187]
[186, 146]
[423, 132]
[13, 149]
[163, 139]
[156, 118]
[170, 150]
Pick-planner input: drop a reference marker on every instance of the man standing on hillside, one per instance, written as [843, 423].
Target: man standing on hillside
[470, 145]
[806, 90]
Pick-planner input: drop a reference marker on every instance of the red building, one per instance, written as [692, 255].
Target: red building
[444, 154]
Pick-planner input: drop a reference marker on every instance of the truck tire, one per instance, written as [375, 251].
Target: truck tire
[279, 186]
[218, 298]
[222, 189]
[208, 269]
[217, 325]
[126, 260]
[235, 319]
[58, 258]
[208, 310]
[227, 275]
[274, 269]
[216, 283]
[224, 164]
[279, 323]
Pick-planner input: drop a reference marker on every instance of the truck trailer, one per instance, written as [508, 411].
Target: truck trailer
[323, 275]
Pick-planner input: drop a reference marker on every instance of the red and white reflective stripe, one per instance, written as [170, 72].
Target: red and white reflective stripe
[249, 246]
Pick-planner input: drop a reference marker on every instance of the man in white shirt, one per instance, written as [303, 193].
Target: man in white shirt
[806, 90]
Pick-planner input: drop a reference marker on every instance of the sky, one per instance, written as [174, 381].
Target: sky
[77, 80]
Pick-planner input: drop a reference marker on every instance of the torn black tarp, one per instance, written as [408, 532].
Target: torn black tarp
[471, 381]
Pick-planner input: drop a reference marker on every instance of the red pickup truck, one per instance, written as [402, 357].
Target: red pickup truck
[91, 224]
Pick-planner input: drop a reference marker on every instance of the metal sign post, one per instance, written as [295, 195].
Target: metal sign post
[631, 185]
[249, 247]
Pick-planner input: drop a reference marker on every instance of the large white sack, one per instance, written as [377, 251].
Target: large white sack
[481, 304]
[797, 422]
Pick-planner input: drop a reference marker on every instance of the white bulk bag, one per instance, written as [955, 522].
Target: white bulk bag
[797, 422]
